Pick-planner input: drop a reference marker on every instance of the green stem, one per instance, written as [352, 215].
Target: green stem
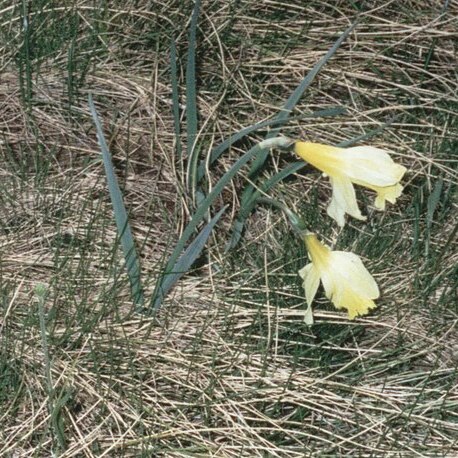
[297, 223]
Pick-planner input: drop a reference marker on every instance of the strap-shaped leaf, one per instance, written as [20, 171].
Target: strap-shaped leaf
[185, 261]
[283, 115]
[297, 94]
[120, 213]
[237, 227]
[433, 201]
[175, 97]
[226, 144]
[205, 204]
[191, 102]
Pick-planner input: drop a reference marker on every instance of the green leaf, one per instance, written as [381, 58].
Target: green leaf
[185, 261]
[297, 94]
[120, 213]
[237, 228]
[191, 102]
[226, 144]
[433, 201]
[283, 115]
[175, 97]
[367, 135]
[204, 206]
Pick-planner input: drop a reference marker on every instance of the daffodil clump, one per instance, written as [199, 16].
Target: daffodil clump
[346, 281]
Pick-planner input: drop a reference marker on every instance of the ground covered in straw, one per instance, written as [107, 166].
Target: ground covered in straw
[227, 368]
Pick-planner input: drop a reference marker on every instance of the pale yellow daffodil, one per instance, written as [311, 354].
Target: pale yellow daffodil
[346, 281]
[367, 166]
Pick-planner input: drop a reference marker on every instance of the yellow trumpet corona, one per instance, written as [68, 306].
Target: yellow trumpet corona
[346, 281]
[366, 166]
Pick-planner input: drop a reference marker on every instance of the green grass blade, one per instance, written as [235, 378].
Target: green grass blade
[367, 135]
[186, 260]
[273, 180]
[226, 144]
[175, 97]
[191, 101]
[433, 201]
[245, 211]
[120, 213]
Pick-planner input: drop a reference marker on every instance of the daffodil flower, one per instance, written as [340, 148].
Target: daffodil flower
[366, 166]
[346, 281]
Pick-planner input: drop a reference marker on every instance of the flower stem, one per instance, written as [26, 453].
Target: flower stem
[296, 222]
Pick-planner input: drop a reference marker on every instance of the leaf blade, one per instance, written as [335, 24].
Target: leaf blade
[204, 206]
[283, 115]
[122, 222]
[175, 98]
[226, 144]
[185, 261]
[191, 101]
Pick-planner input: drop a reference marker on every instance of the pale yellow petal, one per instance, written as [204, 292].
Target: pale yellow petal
[318, 252]
[324, 157]
[311, 282]
[366, 166]
[349, 267]
[345, 297]
[308, 315]
[389, 193]
[343, 200]
[371, 166]
[347, 283]
[328, 278]
[304, 271]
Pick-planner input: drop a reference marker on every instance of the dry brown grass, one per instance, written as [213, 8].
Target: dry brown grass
[227, 369]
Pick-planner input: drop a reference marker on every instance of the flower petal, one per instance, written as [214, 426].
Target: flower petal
[371, 166]
[324, 157]
[311, 279]
[308, 315]
[343, 200]
[355, 304]
[347, 283]
[349, 267]
[389, 193]
[319, 253]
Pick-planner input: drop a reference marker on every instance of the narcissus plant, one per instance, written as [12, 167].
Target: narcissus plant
[346, 281]
[366, 166]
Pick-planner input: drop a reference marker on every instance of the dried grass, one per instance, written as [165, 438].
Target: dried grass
[225, 370]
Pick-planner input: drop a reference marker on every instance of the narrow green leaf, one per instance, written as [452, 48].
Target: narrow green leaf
[202, 209]
[367, 135]
[191, 101]
[283, 115]
[185, 261]
[245, 211]
[433, 201]
[273, 180]
[226, 144]
[120, 213]
[297, 94]
[175, 97]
